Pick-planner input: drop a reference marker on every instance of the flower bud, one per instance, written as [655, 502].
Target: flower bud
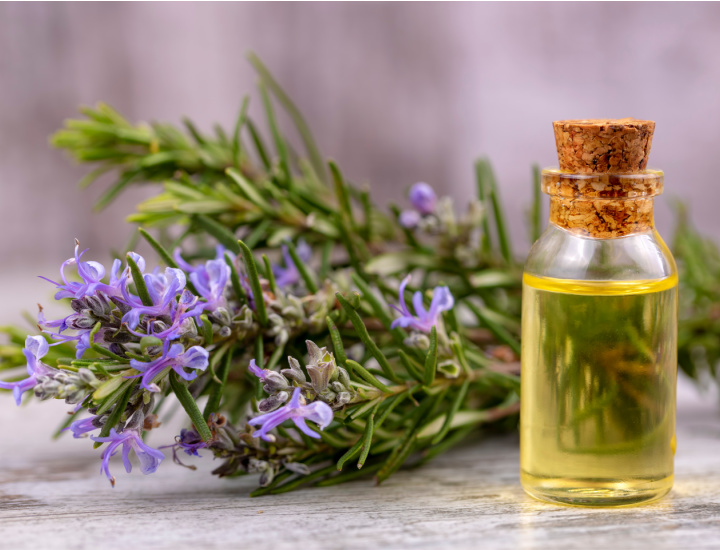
[274, 381]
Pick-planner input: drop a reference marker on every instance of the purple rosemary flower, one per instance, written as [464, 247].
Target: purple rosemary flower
[162, 288]
[422, 320]
[289, 275]
[92, 274]
[409, 219]
[297, 411]
[128, 439]
[36, 347]
[190, 442]
[81, 427]
[210, 280]
[257, 371]
[423, 198]
[174, 357]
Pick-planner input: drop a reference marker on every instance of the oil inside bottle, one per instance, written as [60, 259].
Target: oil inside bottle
[599, 364]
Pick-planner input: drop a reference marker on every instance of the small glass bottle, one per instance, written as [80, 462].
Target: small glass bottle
[599, 326]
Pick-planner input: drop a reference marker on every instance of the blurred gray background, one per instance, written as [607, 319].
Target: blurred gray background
[397, 93]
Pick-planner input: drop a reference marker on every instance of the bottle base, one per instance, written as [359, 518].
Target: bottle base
[596, 492]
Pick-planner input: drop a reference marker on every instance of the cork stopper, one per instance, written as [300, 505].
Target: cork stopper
[602, 189]
[616, 146]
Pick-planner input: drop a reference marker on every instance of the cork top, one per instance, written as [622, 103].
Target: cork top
[616, 146]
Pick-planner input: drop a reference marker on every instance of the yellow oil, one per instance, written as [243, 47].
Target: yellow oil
[599, 366]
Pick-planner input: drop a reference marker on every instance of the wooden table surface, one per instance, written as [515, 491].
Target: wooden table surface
[53, 496]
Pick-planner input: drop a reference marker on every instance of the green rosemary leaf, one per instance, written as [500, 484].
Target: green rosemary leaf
[363, 373]
[364, 335]
[332, 440]
[457, 402]
[413, 368]
[159, 249]
[188, 403]
[406, 444]
[349, 476]
[248, 190]
[347, 241]
[457, 436]
[295, 115]
[380, 312]
[501, 226]
[302, 268]
[235, 280]
[459, 351]
[220, 232]
[536, 210]
[275, 357]
[485, 242]
[270, 275]
[259, 145]
[342, 195]
[367, 439]
[197, 136]
[297, 482]
[221, 135]
[280, 145]
[431, 360]
[500, 332]
[365, 409]
[242, 117]
[139, 282]
[254, 279]
[93, 175]
[115, 190]
[258, 234]
[337, 343]
[367, 214]
[350, 454]
[391, 403]
[216, 391]
[260, 351]
[326, 263]
[207, 331]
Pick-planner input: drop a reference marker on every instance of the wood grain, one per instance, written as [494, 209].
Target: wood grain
[52, 496]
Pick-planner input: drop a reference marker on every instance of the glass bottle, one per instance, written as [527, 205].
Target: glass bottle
[599, 326]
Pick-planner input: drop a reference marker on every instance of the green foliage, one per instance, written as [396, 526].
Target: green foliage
[395, 393]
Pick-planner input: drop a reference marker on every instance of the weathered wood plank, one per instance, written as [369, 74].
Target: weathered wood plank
[52, 496]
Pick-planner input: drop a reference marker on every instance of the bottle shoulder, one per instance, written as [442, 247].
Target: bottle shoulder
[560, 254]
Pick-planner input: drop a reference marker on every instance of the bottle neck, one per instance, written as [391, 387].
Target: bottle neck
[602, 206]
[602, 218]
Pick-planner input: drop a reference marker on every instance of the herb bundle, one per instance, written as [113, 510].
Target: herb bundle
[309, 335]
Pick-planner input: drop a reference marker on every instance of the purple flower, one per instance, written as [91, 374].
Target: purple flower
[162, 290]
[423, 320]
[81, 427]
[423, 198]
[179, 314]
[297, 411]
[190, 442]
[289, 275]
[173, 357]
[81, 338]
[129, 439]
[92, 274]
[210, 281]
[257, 371]
[36, 347]
[409, 219]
